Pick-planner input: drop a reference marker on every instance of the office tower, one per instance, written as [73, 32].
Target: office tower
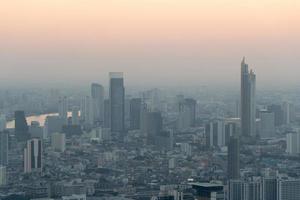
[58, 141]
[233, 166]
[2, 122]
[248, 103]
[236, 190]
[117, 104]
[144, 111]
[293, 143]
[52, 124]
[21, 127]
[153, 126]
[33, 156]
[187, 114]
[269, 188]
[87, 115]
[231, 129]
[3, 176]
[164, 140]
[135, 113]
[3, 148]
[97, 94]
[178, 101]
[75, 115]
[35, 130]
[63, 109]
[278, 113]
[267, 124]
[245, 190]
[286, 112]
[106, 123]
[288, 189]
[215, 133]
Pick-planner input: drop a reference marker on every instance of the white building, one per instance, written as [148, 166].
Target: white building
[33, 155]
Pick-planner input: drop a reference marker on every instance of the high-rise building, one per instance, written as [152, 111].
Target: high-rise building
[187, 114]
[248, 102]
[215, 133]
[267, 124]
[286, 112]
[135, 113]
[87, 112]
[269, 188]
[33, 156]
[3, 148]
[231, 129]
[3, 176]
[153, 126]
[63, 109]
[278, 113]
[106, 122]
[233, 166]
[21, 127]
[2, 122]
[245, 190]
[117, 101]
[75, 115]
[288, 189]
[58, 142]
[97, 94]
[52, 124]
[35, 130]
[293, 143]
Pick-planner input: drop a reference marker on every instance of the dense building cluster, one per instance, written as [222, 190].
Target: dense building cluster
[158, 144]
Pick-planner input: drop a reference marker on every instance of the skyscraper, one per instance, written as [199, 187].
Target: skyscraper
[75, 115]
[33, 156]
[187, 114]
[3, 148]
[153, 126]
[267, 124]
[233, 166]
[117, 99]
[248, 103]
[97, 94]
[58, 142]
[63, 109]
[135, 113]
[21, 127]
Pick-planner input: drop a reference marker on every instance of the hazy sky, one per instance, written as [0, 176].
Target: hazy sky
[187, 42]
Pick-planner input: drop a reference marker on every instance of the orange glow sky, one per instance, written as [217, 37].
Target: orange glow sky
[153, 41]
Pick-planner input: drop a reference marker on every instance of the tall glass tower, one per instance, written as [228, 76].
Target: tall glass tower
[117, 97]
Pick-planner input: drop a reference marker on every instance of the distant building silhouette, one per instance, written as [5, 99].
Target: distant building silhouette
[21, 127]
[248, 103]
[135, 113]
[187, 114]
[3, 148]
[97, 94]
[153, 126]
[117, 101]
